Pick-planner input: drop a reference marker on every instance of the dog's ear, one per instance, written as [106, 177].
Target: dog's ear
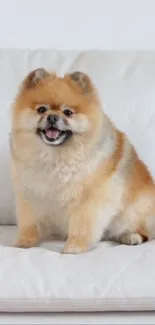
[34, 78]
[82, 80]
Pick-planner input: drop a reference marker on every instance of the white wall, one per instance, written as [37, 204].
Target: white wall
[77, 24]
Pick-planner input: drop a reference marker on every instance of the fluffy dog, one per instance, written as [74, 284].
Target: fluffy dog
[74, 174]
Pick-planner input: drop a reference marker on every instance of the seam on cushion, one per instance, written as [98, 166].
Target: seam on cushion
[70, 305]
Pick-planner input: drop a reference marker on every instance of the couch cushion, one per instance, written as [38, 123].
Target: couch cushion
[126, 84]
[110, 277]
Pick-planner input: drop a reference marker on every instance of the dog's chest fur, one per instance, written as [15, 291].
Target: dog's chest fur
[48, 186]
[53, 186]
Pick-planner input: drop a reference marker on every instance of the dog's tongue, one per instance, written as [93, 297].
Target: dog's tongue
[52, 133]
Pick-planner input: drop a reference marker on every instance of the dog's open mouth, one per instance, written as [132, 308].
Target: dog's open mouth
[54, 135]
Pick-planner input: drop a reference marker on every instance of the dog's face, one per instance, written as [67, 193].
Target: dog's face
[56, 109]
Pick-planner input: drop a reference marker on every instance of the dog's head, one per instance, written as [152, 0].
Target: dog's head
[57, 109]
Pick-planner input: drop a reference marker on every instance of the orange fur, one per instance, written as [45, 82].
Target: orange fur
[91, 187]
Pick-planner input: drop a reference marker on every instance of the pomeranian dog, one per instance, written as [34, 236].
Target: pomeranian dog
[74, 174]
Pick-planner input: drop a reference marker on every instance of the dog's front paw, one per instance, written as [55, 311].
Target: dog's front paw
[25, 243]
[27, 238]
[74, 246]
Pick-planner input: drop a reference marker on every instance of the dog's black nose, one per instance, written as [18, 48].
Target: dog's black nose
[52, 118]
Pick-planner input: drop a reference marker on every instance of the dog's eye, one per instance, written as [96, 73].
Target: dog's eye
[42, 109]
[67, 112]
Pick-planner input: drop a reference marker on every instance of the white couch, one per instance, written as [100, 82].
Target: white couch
[111, 277]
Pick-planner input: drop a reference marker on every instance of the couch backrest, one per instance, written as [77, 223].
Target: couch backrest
[126, 84]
